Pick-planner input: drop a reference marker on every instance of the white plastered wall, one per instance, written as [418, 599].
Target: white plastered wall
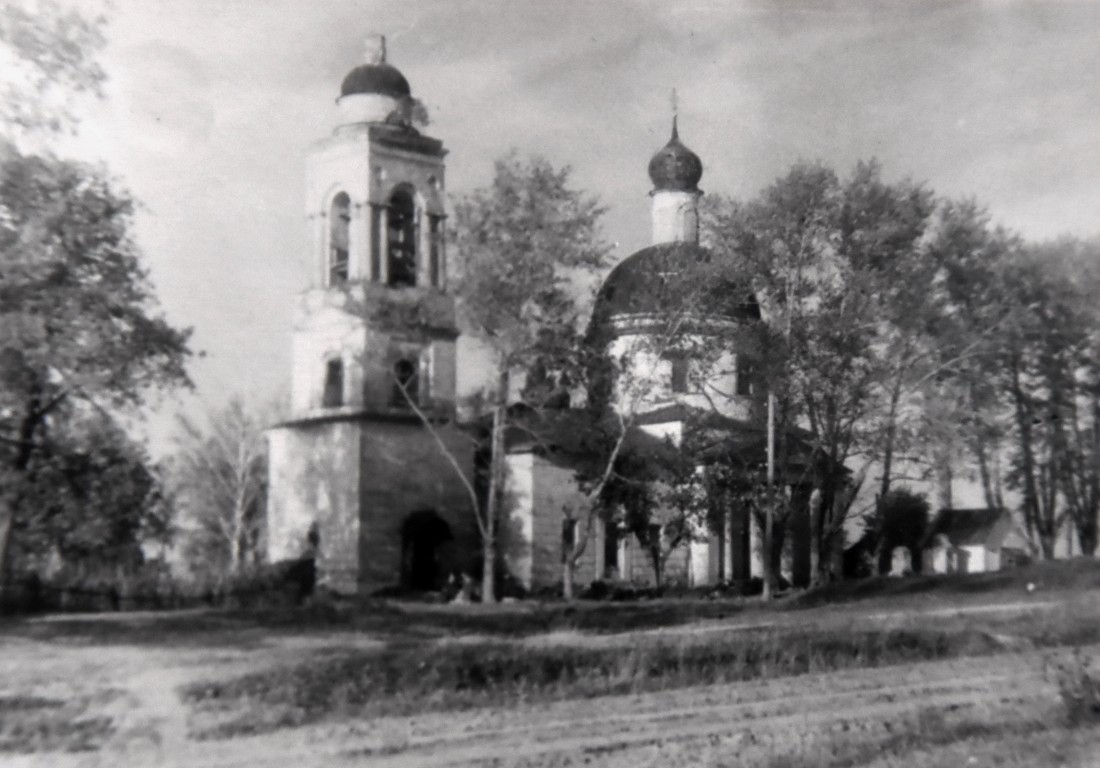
[645, 381]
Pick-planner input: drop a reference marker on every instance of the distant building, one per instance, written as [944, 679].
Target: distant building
[355, 471]
[974, 541]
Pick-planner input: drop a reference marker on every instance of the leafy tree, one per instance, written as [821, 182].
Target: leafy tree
[79, 327]
[1046, 372]
[49, 56]
[97, 498]
[219, 481]
[834, 264]
[521, 242]
[657, 493]
[899, 520]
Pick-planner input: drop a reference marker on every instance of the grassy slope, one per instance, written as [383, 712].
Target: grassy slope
[411, 675]
[513, 658]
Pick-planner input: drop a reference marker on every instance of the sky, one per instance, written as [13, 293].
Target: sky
[212, 106]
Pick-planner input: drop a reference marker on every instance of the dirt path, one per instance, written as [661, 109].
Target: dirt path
[742, 722]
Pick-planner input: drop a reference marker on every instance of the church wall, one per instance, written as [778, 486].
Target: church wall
[675, 217]
[404, 471]
[647, 382]
[314, 476]
[555, 488]
[325, 329]
[516, 535]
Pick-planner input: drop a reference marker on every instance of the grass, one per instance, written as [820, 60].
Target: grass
[1078, 574]
[414, 622]
[930, 735]
[37, 724]
[413, 678]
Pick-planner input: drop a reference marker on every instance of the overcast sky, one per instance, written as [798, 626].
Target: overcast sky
[214, 103]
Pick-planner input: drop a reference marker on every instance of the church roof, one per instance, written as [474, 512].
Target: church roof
[668, 277]
[569, 437]
[378, 78]
[675, 167]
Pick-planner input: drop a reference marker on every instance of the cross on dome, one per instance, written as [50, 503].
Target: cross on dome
[374, 49]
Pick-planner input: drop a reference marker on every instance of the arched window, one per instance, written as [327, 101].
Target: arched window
[401, 236]
[406, 384]
[339, 224]
[333, 395]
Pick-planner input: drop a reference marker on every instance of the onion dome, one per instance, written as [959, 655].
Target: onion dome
[668, 277]
[383, 79]
[675, 167]
[376, 76]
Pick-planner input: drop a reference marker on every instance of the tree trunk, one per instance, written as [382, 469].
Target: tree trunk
[9, 480]
[815, 537]
[497, 474]
[567, 569]
[1087, 537]
[7, 517]
[945, 478]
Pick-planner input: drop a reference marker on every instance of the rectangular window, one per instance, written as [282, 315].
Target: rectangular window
[679, 381]
[745, 376]
[568, 537]
[376, 243]
[333, 395]
[611, 551]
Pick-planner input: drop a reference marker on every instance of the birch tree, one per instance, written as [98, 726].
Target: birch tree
[521, 242]
[219, 482]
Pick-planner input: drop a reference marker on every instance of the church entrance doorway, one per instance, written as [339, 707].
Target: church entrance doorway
[425, 545]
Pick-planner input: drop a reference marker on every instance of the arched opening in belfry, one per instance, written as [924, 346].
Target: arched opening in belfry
[338, 248]
[401, 236]
[426, 551]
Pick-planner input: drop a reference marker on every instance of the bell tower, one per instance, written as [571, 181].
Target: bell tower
[375, 330]
[357, 480]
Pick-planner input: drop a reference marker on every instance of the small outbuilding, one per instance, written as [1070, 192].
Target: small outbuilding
[973, 541]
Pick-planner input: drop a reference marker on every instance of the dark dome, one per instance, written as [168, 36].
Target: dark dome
[675, 167]
[381, 78]
[668, 276]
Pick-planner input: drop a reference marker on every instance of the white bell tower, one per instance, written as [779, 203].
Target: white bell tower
[375, 331]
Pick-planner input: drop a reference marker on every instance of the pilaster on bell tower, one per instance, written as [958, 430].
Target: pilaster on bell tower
[376, 319]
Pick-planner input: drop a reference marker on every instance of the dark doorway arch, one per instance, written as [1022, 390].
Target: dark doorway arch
[426, 541]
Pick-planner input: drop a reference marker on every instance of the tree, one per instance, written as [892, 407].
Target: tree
[97, 498]
[835, 266]
[656, 492]
[899, 520]
[520, 242]
[220, 487]
[79, 328]
[49, 59]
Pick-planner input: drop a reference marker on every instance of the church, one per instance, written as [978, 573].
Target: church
[358, 483]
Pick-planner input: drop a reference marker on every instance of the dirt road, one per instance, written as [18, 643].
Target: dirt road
[730, 724]
[743, 723]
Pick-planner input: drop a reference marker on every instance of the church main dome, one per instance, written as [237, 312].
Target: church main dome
[377, 78]
[665, 278]
[675, 167]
